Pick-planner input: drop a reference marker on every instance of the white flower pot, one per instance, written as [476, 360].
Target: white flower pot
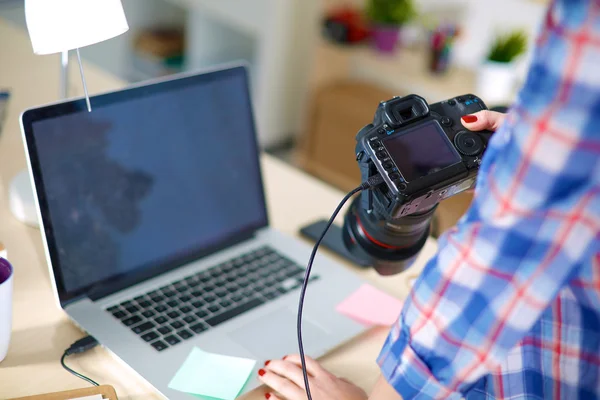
[495, 83]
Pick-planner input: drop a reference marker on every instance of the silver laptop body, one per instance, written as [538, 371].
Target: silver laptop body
[116, 209]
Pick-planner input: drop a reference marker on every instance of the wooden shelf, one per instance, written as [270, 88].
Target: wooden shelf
[407, 72]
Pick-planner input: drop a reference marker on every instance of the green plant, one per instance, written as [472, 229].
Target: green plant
[391, 12]
[508, 47]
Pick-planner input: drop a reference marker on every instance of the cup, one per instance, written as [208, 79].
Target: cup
[6, 288]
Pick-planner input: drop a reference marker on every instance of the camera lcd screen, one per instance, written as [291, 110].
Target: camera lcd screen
[421, 151]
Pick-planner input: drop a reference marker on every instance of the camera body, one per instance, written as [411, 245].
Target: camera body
[423, 153]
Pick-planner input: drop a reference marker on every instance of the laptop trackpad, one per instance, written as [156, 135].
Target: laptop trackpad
[274, 335]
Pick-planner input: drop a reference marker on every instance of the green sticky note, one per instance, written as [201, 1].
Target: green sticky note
[212, 375]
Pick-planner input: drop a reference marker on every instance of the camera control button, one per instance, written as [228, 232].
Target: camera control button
[381, 131]
[451, 102]
[375, 144]
[388, 165]
[381, 155]
[394, 176]
[446, 121]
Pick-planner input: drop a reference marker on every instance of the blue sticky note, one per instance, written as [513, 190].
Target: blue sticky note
[212, 375]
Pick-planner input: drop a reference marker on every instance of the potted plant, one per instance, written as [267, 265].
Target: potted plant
[387, 17]
[497, 75]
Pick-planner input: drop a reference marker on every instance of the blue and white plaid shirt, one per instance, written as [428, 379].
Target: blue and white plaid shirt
[509, 308]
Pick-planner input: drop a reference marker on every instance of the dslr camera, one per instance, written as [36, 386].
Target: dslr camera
[424, 155]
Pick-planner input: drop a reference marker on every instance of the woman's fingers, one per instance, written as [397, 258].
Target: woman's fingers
[483, 120]
[271, 396]
[312, 366]
[288, 370]
[281, 385]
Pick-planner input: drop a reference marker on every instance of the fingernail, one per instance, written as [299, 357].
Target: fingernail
[469, 118]
[261, 372]
[267, 395]
[267, 362]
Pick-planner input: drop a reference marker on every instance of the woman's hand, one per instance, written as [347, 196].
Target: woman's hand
[285, 381]
[482, 120]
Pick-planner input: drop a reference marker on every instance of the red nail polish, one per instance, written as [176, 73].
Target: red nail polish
[469, 118]
[267, 395]
[284, 357]
[261, 372]
[267, 362]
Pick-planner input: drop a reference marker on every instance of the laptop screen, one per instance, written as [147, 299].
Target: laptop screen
[154, 177]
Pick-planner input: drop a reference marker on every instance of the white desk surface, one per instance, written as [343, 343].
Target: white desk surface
[41, 331]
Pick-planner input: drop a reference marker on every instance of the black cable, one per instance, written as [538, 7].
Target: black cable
[370, 183]
[80, 346]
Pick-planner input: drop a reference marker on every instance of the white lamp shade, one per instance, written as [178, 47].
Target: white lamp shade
[60, 25]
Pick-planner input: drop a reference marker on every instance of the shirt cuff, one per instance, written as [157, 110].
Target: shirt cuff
[407, 373]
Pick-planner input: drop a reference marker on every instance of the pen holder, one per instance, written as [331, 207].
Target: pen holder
[439, 59]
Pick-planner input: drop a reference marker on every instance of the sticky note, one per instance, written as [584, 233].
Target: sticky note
[212, 375]
[371, 306]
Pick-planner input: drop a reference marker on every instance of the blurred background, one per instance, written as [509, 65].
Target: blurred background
[320, 67]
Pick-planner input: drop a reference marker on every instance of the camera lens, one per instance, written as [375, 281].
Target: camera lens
[391, 244]
[468, 143]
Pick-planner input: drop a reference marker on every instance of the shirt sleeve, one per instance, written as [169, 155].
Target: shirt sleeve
[533, 222]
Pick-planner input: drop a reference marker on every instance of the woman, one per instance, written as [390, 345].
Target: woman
[510, 305]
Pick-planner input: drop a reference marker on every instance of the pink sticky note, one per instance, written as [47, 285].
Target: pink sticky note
[371, 306]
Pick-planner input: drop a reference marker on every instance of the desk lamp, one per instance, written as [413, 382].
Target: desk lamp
[58, 26]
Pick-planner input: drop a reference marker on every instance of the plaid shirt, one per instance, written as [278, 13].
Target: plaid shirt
[510, 305]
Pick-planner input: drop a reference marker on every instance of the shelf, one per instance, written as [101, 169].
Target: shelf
[407, 72]
[248, 16]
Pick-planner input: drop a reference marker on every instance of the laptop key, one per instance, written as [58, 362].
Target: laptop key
[221, 293]
[196, 293]
[202, 314]
[139, 298]
[271, 295]
[113, 308]
[182, 289]
[132, 320]
[159, 345]
[141, 328]
[126, 303]
[198, 303]
[214, 308]
[172, 340]
[185, 309]
[169, 293]
[225, 303]
[185, 298]
[148, 313]
[237, 297]
[161, 320]
[157, 298]
[150, 336]
[177, 325]
[172, 303]
[144, 303]
[185, 334]
[161, 308]
[119, 314]
[210, 298]
[234, 312]
[132, 309]
[198, 328]
[163, 330]
[173, 314]
[189, 319]
[193, 284]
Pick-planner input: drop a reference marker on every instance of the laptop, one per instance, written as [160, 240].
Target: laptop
[155, 226]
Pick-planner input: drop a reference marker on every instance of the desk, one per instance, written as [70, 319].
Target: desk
[41, 331]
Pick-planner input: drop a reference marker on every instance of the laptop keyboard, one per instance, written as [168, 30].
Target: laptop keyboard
[176, 312]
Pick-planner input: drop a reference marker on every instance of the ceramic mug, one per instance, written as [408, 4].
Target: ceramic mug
[6, 283]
